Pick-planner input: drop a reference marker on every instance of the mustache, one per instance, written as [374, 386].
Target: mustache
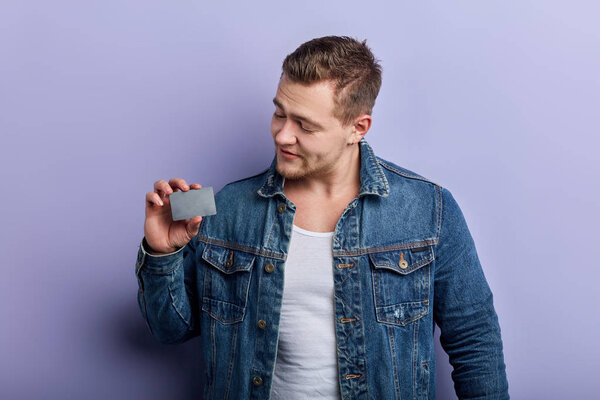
[288, 151]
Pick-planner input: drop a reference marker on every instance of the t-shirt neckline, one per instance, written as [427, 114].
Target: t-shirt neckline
[311, 233]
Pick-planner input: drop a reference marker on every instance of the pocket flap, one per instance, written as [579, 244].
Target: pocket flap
[227, 260]
[403, 261]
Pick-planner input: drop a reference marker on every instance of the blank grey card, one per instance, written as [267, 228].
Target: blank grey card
[193, 203]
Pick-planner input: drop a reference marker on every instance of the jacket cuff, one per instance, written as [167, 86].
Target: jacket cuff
[161, 264]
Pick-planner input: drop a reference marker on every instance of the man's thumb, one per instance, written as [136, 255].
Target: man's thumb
[193, 225]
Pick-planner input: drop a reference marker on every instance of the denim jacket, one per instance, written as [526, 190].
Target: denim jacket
[403, 261]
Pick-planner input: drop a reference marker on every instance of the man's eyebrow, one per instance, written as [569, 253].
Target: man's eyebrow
[299, 117]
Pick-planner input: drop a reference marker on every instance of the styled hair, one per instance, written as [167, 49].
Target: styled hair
[351, 66]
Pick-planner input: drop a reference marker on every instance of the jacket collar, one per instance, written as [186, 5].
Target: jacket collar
[372, 179]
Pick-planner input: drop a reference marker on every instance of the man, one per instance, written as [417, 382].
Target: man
[323, 276]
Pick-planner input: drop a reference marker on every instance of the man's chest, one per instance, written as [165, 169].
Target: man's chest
[319, 214]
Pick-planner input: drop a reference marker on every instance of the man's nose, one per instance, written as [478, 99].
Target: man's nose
[286, 134]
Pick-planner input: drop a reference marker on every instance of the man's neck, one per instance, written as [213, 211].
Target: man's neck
[321, 201]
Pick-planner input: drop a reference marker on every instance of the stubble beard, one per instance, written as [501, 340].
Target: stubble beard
[293, 173]
[305, 170]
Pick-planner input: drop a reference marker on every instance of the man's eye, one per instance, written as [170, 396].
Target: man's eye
[299, 123]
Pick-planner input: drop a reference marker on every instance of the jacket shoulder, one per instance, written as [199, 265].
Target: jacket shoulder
[413, 201]
[236, 222]
[394, 170]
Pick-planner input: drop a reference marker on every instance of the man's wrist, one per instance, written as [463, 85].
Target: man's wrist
[146, 247]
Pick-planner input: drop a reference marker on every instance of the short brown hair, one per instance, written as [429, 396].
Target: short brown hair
[350, 64]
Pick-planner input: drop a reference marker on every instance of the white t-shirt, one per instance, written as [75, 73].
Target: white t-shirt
[306, 366]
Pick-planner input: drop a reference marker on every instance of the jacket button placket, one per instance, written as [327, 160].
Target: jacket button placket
[349, 326]
[269, 304]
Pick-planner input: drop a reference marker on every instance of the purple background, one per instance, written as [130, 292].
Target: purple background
[498, 102]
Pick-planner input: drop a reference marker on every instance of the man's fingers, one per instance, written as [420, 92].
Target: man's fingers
[178, 183]
[154, 198]
[162, 188]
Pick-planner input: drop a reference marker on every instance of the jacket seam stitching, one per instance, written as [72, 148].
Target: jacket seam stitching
[369, 250]
[386, 165]
[233, 346]
[175, 306]
[247, 249]
[336, 253]
[255, 360]
[439, 211]
[415, 354]
[217, 264]
[392, 340]
[412, 268]
[213, 322]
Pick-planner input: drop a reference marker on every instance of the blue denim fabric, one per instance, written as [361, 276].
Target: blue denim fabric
[404, 260]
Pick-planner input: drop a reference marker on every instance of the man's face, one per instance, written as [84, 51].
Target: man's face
[309, 140]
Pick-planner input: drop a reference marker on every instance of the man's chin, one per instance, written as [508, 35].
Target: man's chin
[289, 173]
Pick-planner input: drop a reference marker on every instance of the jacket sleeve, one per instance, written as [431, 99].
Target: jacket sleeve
[167, 292]
[464, 311]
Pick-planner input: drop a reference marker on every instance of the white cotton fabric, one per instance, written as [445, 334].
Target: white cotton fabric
[306, 366]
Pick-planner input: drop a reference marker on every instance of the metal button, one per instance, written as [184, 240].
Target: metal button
[257, 380]
[229, 262]
[269, 268]
[281, 208]
[402, 263]
[262, 324]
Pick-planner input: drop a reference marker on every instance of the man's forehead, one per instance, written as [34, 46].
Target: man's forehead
[315, 98]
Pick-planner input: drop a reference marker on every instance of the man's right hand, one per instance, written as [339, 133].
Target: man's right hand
[162, 233]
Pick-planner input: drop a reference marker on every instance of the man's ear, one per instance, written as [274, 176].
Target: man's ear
[361, 126]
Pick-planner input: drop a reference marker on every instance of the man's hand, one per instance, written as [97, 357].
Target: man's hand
[162, 233]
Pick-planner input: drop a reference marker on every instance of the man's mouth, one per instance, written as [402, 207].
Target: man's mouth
[288, 154]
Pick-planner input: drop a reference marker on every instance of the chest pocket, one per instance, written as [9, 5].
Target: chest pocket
[226, 283]
[401, 282]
